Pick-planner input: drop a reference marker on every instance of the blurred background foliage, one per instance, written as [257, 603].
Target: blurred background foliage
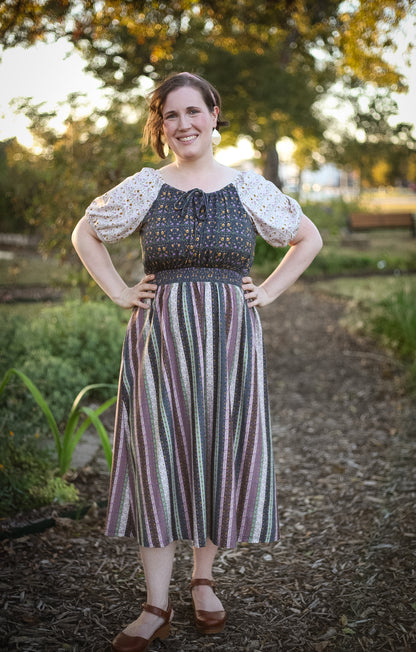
[274, 62]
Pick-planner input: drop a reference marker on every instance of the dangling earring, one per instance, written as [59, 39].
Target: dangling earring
[216, 137]
[165, 146]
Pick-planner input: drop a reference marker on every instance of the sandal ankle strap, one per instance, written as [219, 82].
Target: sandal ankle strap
[158, 612]
[202, 581]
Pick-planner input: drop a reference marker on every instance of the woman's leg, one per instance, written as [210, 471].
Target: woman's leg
[157, 566]
[204, 596]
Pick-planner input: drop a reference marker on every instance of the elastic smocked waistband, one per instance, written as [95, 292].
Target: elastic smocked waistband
[189, 274]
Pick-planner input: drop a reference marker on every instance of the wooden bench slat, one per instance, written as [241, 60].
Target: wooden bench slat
[363, 221]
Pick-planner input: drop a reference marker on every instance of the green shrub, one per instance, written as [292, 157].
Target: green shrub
[28, 478]
[62, 349]
[56, 377]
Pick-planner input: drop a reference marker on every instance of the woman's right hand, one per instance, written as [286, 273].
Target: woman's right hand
[137, 295]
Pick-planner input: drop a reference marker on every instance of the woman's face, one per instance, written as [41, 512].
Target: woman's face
[188, 123]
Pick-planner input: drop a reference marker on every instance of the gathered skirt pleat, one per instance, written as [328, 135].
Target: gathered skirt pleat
[192, 455]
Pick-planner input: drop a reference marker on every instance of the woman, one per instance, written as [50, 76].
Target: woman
[192, 450]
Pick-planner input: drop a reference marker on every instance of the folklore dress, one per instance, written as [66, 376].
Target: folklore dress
[192, 453]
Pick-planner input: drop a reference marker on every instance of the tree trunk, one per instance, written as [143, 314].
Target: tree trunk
[270, 159]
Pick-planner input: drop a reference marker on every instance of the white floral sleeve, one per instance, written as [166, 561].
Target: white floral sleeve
[120, 211]
[276, 216]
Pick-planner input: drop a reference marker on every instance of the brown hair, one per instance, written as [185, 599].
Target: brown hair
[153, 130]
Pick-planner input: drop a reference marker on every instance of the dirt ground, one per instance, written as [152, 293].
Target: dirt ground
[343, 575]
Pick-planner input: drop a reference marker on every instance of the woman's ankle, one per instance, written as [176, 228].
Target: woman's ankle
[158, 601]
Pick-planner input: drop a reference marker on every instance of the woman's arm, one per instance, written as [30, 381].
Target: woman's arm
[303, 250]
[97, 261]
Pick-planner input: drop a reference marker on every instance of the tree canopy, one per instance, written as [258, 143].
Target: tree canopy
[272, 60]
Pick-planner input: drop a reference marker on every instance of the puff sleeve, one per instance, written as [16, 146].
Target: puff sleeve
[120, 211]
[276, 216]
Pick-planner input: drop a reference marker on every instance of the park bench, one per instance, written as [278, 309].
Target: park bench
[368, 221]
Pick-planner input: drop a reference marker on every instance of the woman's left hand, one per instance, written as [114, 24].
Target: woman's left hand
[255, 295]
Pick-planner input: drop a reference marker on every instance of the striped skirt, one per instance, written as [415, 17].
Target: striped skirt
[192, 449]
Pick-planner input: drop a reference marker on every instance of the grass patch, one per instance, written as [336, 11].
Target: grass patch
[334, 260]
[383, 308]
[394, 323]
[365, 291]
[31, 269]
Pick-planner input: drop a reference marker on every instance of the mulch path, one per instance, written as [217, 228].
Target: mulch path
[343, 575]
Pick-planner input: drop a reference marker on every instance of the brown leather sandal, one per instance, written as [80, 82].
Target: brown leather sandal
[207, 622]
[125, 643]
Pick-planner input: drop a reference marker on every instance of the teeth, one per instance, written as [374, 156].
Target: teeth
[187, 139]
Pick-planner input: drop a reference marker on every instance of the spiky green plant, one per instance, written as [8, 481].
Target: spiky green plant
[66, 442]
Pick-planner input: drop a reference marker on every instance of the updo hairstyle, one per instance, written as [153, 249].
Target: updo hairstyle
[153, 131]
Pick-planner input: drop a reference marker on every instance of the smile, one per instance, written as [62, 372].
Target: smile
[188, 139]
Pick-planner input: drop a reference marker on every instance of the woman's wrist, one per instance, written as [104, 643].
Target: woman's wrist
[117, 295]
[268, 295]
